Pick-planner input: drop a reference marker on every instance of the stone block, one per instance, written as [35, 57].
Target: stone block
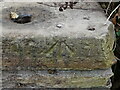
[75, 40]
[62, 79]
[73, 45]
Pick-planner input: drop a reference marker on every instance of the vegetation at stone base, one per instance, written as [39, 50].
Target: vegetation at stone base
[115, 68]
[112, 6]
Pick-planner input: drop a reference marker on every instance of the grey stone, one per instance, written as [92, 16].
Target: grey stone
[69, 47]
[72, 47]
[63, 79]
[40, 45]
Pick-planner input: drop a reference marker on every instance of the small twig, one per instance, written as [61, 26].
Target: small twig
[108, 7]
[111, 14]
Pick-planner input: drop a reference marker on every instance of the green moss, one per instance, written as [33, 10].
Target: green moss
[58, 53]
[86, 82]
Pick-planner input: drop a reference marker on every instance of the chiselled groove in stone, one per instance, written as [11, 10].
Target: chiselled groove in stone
[52, 47]
[70, 49]
[56, 52]
[59, 49]
[59, 44]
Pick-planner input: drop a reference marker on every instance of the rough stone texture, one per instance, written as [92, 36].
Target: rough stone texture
[72, 46]
[58, 40]
[62, 79]
[58, 52]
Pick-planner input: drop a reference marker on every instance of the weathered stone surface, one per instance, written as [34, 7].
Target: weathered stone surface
[62, 79]
[62, 53]
[72, 46]
[58, 40]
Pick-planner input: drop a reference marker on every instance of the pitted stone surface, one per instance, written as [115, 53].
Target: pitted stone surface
[56, 40]
[44, 45]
